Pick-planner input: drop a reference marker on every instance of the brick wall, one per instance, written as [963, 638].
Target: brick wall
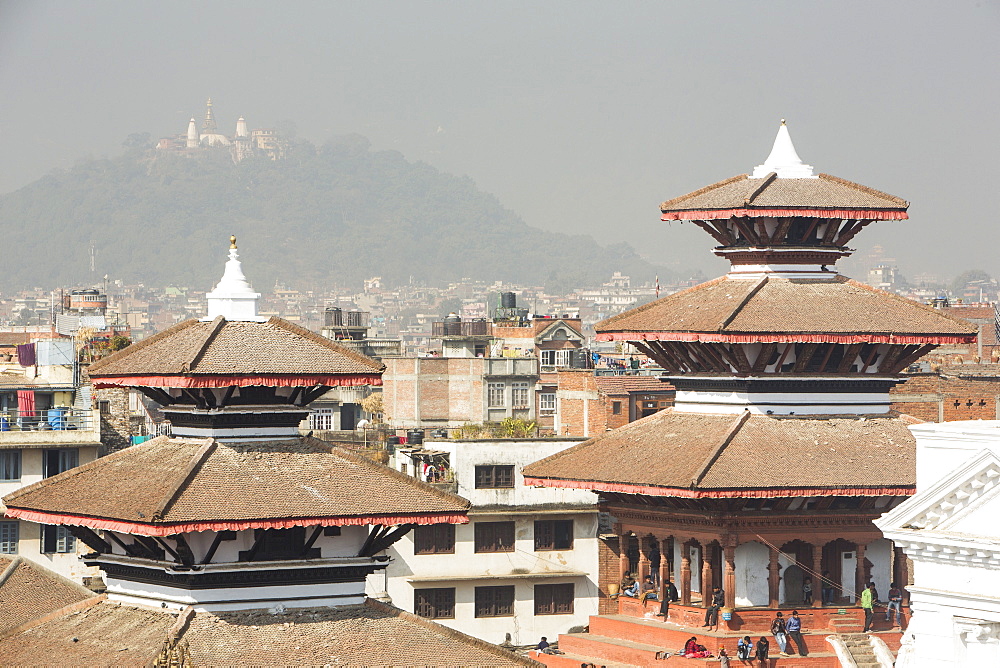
[607, 573]
[583, 411]
[937, 397]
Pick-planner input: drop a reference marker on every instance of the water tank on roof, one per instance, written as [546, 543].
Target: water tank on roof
[333, 317]
[453, 325]
[415, 437]
[508, 300]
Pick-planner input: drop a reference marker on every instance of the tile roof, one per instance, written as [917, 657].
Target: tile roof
[824, 192]
[722, 454]
[221, 347]
[169, 485]
[753, 309]
[371, 634]
[627, 384]
[29, 591]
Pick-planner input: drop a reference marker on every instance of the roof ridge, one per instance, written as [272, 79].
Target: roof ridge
[129, 350]
[863, 188]
[171, 496]
[216, 326]
[7, 572]
[44, 572]
[79, 606]
[702, 191]
[751, 293]
[768, 180]
[449, 632]
[322, 340]
[714, 455]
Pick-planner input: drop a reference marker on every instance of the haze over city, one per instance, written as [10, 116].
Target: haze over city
[581, 117]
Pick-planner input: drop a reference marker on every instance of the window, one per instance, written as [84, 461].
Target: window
[494, 477]
[57, 539]
[554, 535]
[558, 358]
[519, 395]
[554, 599]
[494, 536]
[495, 395]
[10, 464]
[8, 537]
[434, 603]
[495, 601]
[547, 402]
[55, 462]
[616, 408]
[104, 407]
[434, 539]
[321, 419]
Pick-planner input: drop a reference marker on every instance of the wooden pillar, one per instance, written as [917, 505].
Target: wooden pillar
[817, 578]
[706, 575]
[860, 577]
[665, 549]
[643, 559]
[622, 555]
[686, 573]
[773, 579]
[901, 573]
[729, 572]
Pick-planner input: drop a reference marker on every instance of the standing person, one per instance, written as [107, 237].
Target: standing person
[762, 648]
[669, 596]
[778, 631]
[712, 613]
[723, 658]
[744, 650]
[826, 582]
[867, 602]
[794, 628]
[807, 591]
[895, 605]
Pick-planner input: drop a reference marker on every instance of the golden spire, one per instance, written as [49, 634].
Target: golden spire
[782, 121]
[232, 241]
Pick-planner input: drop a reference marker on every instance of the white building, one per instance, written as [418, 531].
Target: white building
[524, 565]
[949, 530]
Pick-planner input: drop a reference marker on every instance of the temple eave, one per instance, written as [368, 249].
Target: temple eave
[749, 212]
[786, 337]
[188, 380]
[741, 493]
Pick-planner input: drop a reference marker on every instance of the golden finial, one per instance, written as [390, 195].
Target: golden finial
[232, 241]
[782, 121]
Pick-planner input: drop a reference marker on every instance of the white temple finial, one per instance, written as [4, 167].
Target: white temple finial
[233, 298]
[783, 159]
[192, 137]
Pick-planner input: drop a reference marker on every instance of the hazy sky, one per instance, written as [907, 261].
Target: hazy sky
[580, 116]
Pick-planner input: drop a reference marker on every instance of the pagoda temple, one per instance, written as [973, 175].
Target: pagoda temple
[236, 522]
[781, 448]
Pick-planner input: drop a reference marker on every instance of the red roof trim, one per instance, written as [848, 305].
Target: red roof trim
[768, 493]
[844, 214]
[122, 526]
[709, 337]
[212, 380]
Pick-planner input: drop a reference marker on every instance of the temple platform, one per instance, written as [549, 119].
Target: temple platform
[635, 637]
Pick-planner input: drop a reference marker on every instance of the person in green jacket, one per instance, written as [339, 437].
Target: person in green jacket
[867, 602]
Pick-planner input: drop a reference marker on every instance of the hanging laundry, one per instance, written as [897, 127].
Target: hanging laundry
[26, 354]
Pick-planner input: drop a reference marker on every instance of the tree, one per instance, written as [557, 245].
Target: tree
[970, 276]
[137, 140]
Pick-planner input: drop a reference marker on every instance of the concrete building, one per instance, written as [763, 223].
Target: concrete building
[949, 531]
[524, 565]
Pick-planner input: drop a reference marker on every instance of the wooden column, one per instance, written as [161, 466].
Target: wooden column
[729, 572]
[686, 573]
[706, 575]
[817, 578]
[643, 559]
[665, 550]
[901, 573]
[860, 579]
[773, 579]
[622, 555]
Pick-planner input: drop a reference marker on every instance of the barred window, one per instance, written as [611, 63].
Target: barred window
[10, 464]
[434, 539]
[436, 603]
[494, 537]
[554, 535]
[519, 394]
[8, 537]
[495, 601]
[496, 395]
[554, 599]
[495, 476]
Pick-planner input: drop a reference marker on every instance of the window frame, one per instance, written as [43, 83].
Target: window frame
[56, 539]
[551, 599]
[68, 458]
[496, 395]
[429, 538]
[10, 461]
[432, 602]
[548, 532]
[494, 537]
[520, 395]
[10, 534]
[494, 601]
[494, 476]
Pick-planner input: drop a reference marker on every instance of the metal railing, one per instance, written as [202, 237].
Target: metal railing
[460, 328]
[49, 419]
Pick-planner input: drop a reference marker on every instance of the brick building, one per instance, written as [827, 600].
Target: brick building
[956, 392]
[587, 405]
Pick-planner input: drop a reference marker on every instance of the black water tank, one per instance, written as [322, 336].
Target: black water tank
[415, 437]
[392, 440]
[508, 300]
[453, 325]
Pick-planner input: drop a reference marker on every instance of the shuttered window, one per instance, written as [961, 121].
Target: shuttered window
[554, 599]
[436, 603]
[495, 601]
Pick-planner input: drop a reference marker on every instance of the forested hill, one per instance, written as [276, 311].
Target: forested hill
[330, 214]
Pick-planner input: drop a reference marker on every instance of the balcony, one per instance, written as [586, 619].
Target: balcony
[336, 317]
[461, 328]
[53, 426]
[511, 366]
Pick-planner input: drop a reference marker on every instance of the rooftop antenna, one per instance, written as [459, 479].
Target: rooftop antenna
[93, 257]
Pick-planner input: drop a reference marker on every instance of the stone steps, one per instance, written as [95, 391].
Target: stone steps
[860, 647]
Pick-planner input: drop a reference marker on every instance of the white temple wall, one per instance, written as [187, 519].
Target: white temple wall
[783, 563]
[879, 552]
[752, 560]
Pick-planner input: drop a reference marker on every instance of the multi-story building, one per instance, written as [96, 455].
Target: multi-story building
[524, 565]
